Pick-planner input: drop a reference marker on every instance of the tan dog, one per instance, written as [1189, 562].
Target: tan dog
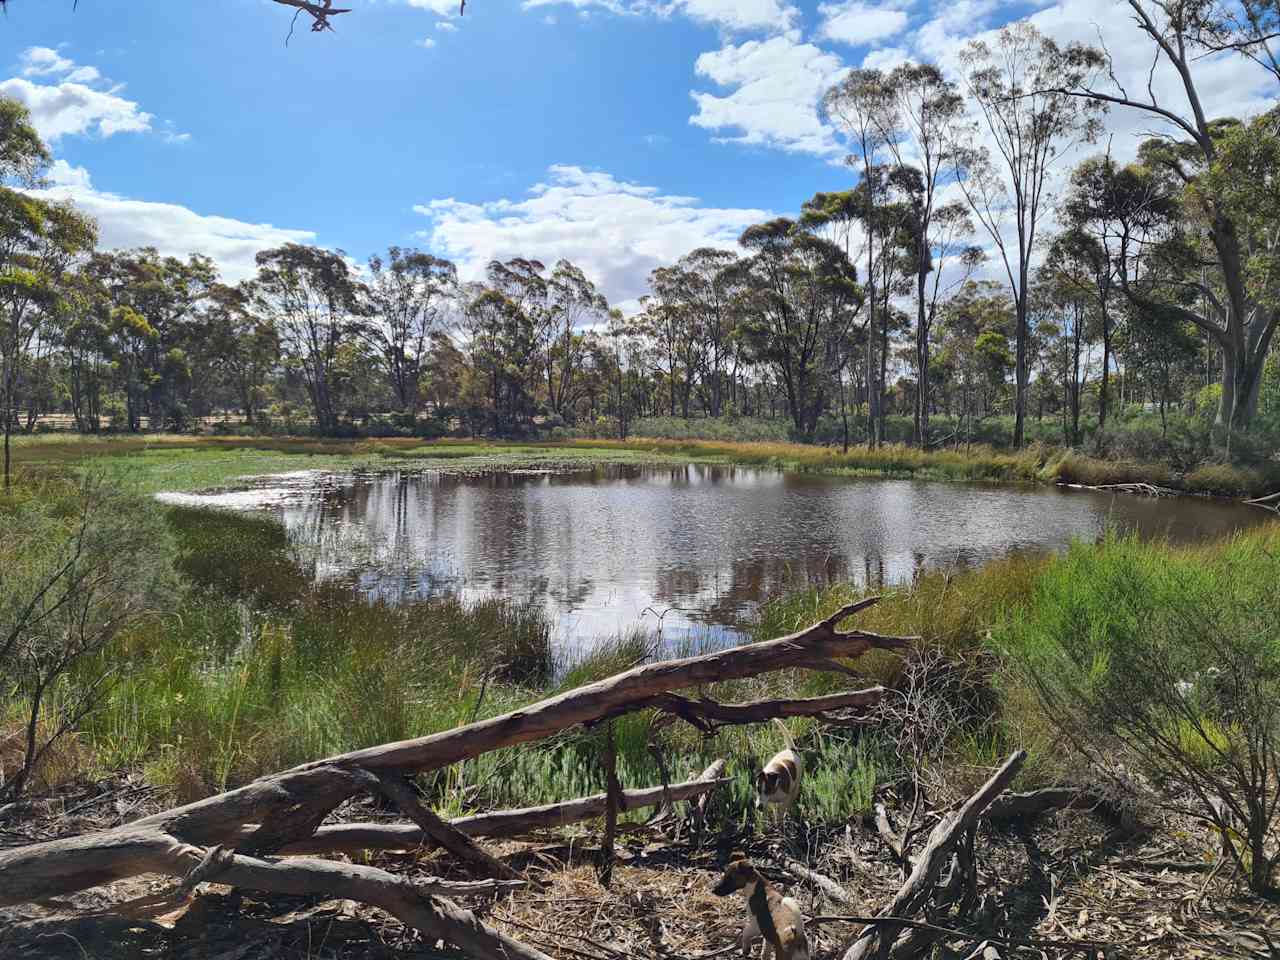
[778, 784]
[769, 914]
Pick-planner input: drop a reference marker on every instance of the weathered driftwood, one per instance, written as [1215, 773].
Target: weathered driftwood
[281, 810]
[1145, 489]
[396, 789]
[706, 715]
[896, 844]
[357, 837]
[827, 886]
[1010, 806]
[920, 886]
[1270, 502]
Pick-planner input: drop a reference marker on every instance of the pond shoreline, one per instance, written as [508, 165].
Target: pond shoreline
[1033, 466]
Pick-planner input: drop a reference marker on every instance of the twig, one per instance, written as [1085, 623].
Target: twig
[1077, 946]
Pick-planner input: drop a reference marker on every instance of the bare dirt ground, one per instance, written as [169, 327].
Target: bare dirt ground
[1067, 879]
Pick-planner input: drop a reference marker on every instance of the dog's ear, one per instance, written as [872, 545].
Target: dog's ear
[761, 778]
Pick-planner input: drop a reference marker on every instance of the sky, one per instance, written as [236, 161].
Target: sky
[619, 134]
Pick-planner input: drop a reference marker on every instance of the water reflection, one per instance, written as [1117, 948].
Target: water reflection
[704, 543]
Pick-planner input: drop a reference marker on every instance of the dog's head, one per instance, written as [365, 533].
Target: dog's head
[737, 875]
[774, 786]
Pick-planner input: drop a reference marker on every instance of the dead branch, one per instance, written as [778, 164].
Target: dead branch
[707, 715]
[396, 789]
[950, 933]
[1270, 502]
[358, 837]
[319, 12]
[919, 887]
[828, 887]
[896, 844]
[278, 811]
[1146, 489]
[1010, 806]
[613, 806]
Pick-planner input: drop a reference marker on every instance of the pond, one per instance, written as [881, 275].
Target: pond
[611, 547]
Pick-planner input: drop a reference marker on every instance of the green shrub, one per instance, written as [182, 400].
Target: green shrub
[1163, 668]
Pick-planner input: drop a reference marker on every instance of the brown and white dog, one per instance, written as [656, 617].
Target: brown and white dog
[778, 784]
[769, 914]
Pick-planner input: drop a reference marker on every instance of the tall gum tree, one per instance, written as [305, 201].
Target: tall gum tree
[313, 301]
[408, 293]
[1230, 182]
[1019, 81]
[921, 137]
[806, 298]
[863, 107]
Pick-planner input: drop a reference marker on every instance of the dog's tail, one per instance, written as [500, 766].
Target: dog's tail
[786, 734]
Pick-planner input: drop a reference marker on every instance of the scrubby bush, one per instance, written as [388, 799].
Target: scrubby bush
[79, 563]
[1163, 668]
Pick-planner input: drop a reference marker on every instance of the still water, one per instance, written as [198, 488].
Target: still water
[612, 547]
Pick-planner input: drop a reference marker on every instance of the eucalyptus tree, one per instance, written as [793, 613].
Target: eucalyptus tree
[864, 107]
[409, 292]
[83, 342]
[920, 134]
[1027, 120]
[574, 307]
[39, 244]
[1073, 308]
[1083, 261]
[709, 281]
[313, 300]
[805, 298]
[1228, 175]
[974, 347]
[243, 346]
[23, 156]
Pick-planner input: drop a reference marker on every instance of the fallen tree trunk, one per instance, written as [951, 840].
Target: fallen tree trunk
[285, 809]
[1009, 806]
[357, 837]
[919, 887]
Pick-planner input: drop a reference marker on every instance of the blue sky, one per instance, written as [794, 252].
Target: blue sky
[618, 133]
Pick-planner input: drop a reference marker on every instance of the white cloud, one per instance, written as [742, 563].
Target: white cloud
[70, 104]
[857, 23]
[768, 15]
[615, 230]
[170, 228]
[777, 86]
[427, 42]
[41, 61]
[886, 58]
[446, 26]
[443, 8]
[84, 75]
[73, 108]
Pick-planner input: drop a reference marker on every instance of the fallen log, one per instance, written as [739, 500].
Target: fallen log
[396, 789]
[919, 887]
[273, 812]
[707, 715]
[358, 837]
[435, 917]
[828, 887]
[1010, 806]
